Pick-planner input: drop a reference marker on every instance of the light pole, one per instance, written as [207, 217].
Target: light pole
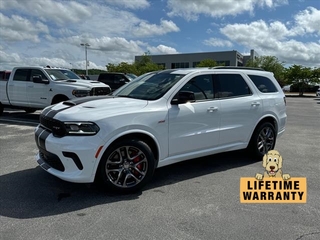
[86, 45]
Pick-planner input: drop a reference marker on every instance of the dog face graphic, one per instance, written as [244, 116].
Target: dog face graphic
[272, 162]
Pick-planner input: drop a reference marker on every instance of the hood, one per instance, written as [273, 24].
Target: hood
[81, 83]
[95, 108]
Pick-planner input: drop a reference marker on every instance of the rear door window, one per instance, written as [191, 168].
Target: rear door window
[231, 85]
[264, 84]
[21, 75]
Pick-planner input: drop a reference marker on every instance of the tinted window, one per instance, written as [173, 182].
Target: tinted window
[106, 77]
[264, 84]
[21, 75]
[231, 85]
[201, 86]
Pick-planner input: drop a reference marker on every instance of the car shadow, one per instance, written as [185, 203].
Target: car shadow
[35, 193]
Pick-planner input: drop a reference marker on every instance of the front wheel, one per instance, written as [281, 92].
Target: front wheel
[262, 140]
[127, 166]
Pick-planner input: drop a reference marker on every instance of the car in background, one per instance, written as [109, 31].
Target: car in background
[318, 92]
[4, 75]
[115, 79]
[286, 88]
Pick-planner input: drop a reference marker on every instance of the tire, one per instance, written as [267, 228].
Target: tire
[29, 110]
[59, 99]
[1, 109]
[263, 140]
[126, 166]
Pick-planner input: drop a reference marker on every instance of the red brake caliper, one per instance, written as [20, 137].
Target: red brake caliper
[135, 160]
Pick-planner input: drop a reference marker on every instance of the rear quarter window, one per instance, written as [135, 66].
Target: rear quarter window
[264, 84]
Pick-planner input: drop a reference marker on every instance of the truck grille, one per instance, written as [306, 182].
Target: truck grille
[99, 91]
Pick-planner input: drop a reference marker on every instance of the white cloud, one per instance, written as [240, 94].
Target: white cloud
[217, 42]
[51, 10]
[273, 39]
[17, 28]
[145, 29]
[190, 9]
[161, 49]
[131, 4]
[309, 20]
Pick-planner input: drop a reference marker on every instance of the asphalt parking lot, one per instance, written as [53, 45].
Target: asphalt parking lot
[196, 199]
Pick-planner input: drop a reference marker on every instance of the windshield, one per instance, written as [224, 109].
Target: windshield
[61, 74]
[150, 86]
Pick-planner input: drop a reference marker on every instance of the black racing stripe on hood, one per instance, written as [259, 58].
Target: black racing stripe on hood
[78, 101]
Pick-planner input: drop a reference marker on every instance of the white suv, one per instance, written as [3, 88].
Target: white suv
[158, 119]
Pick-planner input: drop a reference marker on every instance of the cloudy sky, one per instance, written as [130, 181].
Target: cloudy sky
[49, 32]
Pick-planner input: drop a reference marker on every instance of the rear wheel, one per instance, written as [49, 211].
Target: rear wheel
[262, 140]
[127, 166]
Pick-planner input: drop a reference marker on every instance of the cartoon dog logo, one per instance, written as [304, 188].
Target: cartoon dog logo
[272, 162]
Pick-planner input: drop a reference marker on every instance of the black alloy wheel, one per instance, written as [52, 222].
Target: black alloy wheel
[263, 139]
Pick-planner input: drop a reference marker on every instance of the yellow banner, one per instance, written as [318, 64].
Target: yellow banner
[273, 190]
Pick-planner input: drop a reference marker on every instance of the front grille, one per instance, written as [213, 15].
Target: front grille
[56, 127]
[52, 160]
[99, 91]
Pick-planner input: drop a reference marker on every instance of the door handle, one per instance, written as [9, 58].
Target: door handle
[255, 104]
[212, 109]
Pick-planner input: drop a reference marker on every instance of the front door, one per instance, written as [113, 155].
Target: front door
[39, 94]
[194, 126]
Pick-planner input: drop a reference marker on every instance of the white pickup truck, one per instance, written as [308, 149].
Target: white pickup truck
[33, 88]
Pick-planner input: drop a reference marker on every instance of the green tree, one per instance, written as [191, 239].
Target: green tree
[122, 67]
[207, 63]
[271, 64]
[144, 65]
[301, 76]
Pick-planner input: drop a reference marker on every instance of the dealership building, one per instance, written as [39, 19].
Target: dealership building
[190, 60]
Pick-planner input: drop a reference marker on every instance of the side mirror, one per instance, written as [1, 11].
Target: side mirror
[38, 79]
[183, 97]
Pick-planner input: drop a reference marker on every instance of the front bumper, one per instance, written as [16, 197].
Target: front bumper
[68, 158]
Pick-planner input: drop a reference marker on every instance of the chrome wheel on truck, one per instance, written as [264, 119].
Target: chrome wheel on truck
[127, 166]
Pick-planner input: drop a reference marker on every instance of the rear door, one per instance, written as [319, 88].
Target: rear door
[17, 88]
[107, 79]
[240, 108]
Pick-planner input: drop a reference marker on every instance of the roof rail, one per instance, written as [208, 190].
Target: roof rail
[235, 67]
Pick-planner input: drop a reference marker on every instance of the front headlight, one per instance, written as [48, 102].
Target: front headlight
[81, 93]
[81, 128]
